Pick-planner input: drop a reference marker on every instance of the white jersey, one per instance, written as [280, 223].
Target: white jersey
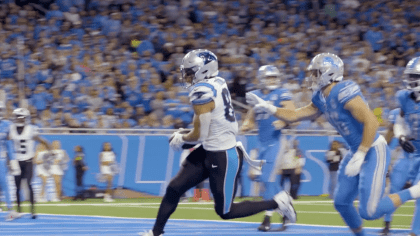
[40, 170]
[223, 125]
[107, 156]
[24, 142]
[56, 168]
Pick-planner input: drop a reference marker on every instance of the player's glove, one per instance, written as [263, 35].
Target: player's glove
[14, 167]
[176, 141]
[259, 104]
[406, 144]
[355, 164]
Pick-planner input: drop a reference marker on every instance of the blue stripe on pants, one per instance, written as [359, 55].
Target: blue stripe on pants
[232, 167]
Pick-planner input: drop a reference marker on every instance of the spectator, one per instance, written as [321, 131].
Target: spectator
[291, 167]
[81, 167]
[334, 157]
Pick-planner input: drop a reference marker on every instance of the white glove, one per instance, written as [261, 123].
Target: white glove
[355, 164]
[259, 104]
[177, 141]
[253, 99]
[15, 168]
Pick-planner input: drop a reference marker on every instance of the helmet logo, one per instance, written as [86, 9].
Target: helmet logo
[329, 61]
[207, 57]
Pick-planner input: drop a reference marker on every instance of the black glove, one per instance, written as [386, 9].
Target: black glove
[406, 144]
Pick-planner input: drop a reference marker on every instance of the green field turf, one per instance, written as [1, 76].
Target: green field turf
[311, 210]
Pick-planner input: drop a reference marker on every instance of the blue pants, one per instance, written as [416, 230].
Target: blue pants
[333, 183]
[4, 185]
[415, 225]
[369, 185]
[399, 176]
[269, 176]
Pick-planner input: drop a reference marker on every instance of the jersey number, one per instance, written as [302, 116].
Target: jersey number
[22, 146]
[229, 112]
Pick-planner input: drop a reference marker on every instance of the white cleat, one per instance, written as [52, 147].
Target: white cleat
[285, 202]
[148, 233]
[55, 200]
[41, 200]
[12, 215]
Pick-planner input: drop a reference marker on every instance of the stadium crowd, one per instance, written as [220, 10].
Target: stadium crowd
[115, 64]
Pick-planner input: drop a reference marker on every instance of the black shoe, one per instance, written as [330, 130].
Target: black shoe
[265, 225]
[385, 230]
[34, 216]
[285, 223]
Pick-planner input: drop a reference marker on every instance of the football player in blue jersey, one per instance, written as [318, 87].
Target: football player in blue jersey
[407, 125]
[269, 133]
[6, 144]
[362, 171]
[399, 176]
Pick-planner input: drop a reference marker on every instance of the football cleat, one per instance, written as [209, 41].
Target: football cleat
[285, 206]
[265, 225]
[12, 215]
[148, 233]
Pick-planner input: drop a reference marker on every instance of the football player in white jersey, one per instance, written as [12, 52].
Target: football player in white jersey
[24, 135]
[218, 158]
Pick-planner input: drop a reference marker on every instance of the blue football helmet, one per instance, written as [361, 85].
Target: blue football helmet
[325, 68]
[412, 76]
[198, 65]
[269, 76]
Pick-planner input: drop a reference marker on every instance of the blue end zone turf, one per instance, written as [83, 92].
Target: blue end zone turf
[47, 224]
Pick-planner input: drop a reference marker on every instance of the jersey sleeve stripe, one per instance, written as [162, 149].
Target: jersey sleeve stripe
[208, 86]
[201, 101]
[348, 92]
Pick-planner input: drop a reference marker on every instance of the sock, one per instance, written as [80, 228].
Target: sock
[387, 224]
[361, 233]
[414, 191]
[269, 213]
[248, 208]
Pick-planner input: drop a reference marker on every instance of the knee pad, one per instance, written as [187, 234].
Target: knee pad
[364, 214]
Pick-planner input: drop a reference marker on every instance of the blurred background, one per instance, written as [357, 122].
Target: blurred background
[115, 64]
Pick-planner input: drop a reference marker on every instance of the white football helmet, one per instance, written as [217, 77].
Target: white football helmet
[21, 116]
[269, 76]
[412, 76]
[325, 68]
[2, 110]
[198, 65]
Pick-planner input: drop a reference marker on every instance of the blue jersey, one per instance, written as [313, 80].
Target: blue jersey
[4, 132]
[267, 133]
[411, 110]
[393, 115]
[342, 120]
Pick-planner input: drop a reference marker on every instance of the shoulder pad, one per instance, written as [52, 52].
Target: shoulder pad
[402, 96]
[393, 115]
[202, 93]
[348, 91]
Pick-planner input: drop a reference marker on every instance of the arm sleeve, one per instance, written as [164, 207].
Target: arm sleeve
[202, 94]
[350, 91]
